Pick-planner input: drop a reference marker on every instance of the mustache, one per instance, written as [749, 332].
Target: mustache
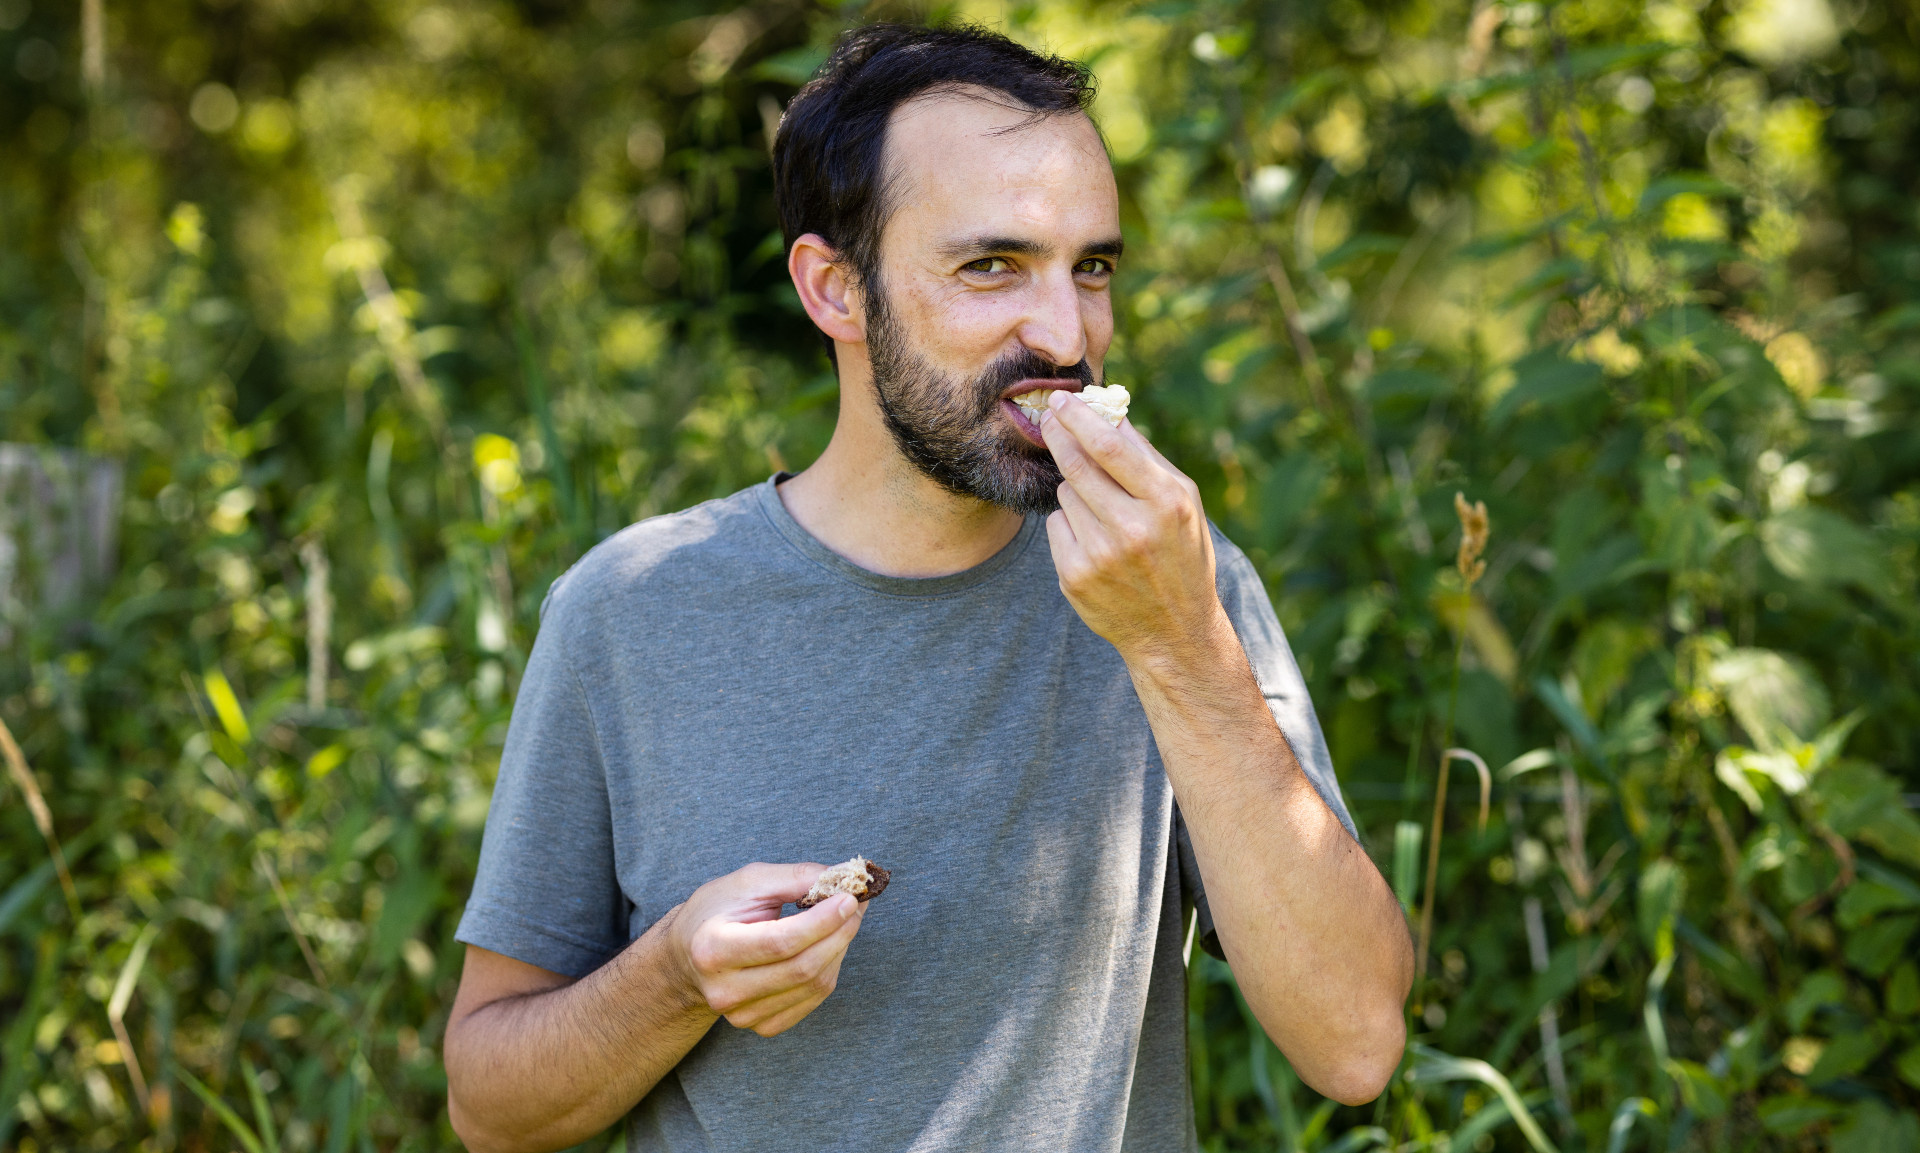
[1026, 364]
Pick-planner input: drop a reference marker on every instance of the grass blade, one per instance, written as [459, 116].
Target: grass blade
[262, 1111]
[1433, 1065]
[222, 1110]
[1623, 1118]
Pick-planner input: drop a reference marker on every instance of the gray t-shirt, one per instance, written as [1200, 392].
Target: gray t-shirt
[716, 687]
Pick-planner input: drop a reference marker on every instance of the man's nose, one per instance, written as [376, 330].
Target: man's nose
[1054, 328]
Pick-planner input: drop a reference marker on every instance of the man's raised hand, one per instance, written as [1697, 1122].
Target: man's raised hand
[1130, 541]
[758, 970]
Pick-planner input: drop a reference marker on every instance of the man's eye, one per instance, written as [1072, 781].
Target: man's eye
[1093, 267]
[989, 264]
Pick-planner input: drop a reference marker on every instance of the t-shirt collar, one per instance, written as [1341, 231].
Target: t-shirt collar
[782, 522]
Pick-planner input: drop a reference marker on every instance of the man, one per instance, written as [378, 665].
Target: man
[1054, 744]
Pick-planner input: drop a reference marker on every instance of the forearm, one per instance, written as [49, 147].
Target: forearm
[1315, 937]
[550, 1069]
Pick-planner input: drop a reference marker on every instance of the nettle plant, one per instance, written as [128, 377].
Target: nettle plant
[1587, 276]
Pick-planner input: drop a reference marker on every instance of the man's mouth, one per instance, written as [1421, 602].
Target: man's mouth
[1034, 401]
[1110, 401]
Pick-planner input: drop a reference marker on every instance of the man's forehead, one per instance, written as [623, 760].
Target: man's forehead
[981, 157]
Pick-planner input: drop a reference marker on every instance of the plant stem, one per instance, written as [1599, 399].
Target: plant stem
[1433, 834]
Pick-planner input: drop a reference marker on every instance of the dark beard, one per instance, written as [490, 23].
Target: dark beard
[950, 429]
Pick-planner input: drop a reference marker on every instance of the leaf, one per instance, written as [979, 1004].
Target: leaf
[130, 972]
[1682, 183]
[1570, 717]
[793, 67]
[1545, 378]
[1865, 900]
[1821, 548]
[22, 891]
[410, 900]
[1432, 1065]
[227, 706]
[1355, 247]
[262, 1111]
[1702, 1091]
[1875, 1128]
[1663, 890]
[1630, 1110]
[1861, 801]
[1740, 977]
[1819, 990]
[1874, 948]
[1909, 1066]
[1789, 1114]
[1732, 769]
[222, 1110]
[1776, 699]
[1407, 836]
[1846, 1055]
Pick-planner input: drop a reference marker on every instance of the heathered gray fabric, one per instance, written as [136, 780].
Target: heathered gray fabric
[715, 687]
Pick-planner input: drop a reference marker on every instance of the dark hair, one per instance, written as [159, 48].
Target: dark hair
[827, 155]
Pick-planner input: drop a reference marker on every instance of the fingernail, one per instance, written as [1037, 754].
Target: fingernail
[848, 905]
[1056, 398]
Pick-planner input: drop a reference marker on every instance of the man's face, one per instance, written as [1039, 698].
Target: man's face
[994, 280]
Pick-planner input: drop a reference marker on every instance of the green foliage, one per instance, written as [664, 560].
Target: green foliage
[393, 310]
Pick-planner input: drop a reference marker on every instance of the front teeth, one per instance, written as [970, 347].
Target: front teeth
[1110, 401]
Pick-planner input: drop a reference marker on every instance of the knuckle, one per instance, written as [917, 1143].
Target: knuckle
[704, 955]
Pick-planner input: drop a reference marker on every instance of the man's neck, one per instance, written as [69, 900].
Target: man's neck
[868, 504]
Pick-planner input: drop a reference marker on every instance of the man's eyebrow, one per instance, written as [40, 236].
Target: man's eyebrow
[974, 247]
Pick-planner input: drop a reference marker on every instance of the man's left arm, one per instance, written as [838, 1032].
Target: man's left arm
[1315, 937]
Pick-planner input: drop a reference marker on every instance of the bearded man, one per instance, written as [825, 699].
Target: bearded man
[1010, 660]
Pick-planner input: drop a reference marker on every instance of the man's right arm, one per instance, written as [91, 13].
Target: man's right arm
[538, 1061]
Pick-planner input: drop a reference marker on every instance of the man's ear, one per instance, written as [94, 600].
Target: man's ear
[826, 291]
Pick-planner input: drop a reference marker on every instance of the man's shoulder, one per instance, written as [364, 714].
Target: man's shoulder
[662, 555]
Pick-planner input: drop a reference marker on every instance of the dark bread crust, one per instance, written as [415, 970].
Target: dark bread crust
[877, 878]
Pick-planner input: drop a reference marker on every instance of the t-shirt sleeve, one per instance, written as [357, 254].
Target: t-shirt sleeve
[547, 892]
[1274, 667]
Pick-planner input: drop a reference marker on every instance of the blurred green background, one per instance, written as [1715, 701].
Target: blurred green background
[332, 331]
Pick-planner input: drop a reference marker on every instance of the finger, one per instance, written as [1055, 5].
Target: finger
[1120, 456]
[721, 944]
[787, 1018]
[787, 882]
[751, 994]
[810, 961]
[776, 1015]
[1076, 464]
[1087, 523]
[753, 1014]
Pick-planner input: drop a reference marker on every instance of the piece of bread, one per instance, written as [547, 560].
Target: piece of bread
[859, 877]
[1109, 400]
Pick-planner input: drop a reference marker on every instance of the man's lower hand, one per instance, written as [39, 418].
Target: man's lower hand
[748, 964]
